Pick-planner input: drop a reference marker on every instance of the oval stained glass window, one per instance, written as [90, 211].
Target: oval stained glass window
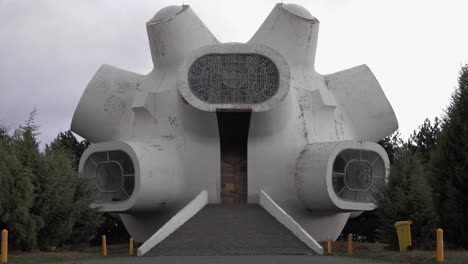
[233, 78]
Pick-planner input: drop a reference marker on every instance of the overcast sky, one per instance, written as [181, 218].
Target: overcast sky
[49, 50]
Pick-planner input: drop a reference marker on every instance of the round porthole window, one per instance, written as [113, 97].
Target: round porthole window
[112, 176]
[358, 175]
[109, 176]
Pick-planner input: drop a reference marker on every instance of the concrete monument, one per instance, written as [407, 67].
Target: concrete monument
[235, 120]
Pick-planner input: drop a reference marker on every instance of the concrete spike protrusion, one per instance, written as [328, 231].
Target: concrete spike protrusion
[174, 32]
[291, 30]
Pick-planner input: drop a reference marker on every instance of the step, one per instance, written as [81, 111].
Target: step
[231, 230]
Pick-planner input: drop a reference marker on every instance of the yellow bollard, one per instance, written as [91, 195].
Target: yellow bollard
[440, 245]
[104, 246]
[350, 244]
[4, 246]
[131, 247]
[329, 246]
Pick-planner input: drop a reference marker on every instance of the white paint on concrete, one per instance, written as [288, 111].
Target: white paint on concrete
[176, 221]
[279, 214]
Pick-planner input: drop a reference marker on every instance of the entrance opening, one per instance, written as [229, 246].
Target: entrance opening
[233, 131]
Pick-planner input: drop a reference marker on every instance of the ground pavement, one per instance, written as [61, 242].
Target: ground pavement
[273, 259]
[227, 235]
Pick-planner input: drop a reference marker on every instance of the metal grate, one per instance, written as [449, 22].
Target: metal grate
[358, 175]
[112, 175]
[233, 78]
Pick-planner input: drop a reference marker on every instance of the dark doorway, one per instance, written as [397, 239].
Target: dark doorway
[233, 131]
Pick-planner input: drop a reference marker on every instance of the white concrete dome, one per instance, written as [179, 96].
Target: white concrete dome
[299, 11]
[166, 13]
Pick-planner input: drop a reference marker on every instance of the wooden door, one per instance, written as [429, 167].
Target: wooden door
[234, 181]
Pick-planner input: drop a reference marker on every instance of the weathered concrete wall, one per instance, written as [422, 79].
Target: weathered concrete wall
[172, 143]
[348, 105]
[172, 136]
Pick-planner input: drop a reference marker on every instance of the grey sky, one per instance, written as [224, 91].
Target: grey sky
[49, 50]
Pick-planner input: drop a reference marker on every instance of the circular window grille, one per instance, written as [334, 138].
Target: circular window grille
[112, 176]
[358, 175]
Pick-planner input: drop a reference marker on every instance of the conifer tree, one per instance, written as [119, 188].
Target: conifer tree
[391, 144]
[407, 196]
[111, 224]
[68, 142]
[449, 166]
[424, 139]
[26, 146]
[64, 199]
[55, 201]
[17, 200]
[43, 203]
[87, 220]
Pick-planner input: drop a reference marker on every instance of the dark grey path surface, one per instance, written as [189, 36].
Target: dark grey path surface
[296, 259]
[231, 230]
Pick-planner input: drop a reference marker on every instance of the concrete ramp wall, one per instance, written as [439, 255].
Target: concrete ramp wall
[279, 214]
[176, 221]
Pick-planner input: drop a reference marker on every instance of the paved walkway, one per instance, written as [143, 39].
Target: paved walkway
[294, 259]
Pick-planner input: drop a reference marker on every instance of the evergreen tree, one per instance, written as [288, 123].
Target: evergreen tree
[424, 140]
[3, 135]
[111, 224]
[16, 201]
[64, 200]
[407, 196]
[88, 220]
[43, 203]
[2, 177]
[67, 141]
[26, 146]
[391, 144]
[449, 166]
[55, 201]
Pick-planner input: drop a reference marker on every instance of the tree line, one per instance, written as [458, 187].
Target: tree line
[43, 203]
[428, 181]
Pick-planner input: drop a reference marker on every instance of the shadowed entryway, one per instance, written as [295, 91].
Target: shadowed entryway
[233, 132]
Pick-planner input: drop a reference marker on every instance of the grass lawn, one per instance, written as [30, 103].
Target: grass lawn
[373, 251]
[119, 250]
[376, 251]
